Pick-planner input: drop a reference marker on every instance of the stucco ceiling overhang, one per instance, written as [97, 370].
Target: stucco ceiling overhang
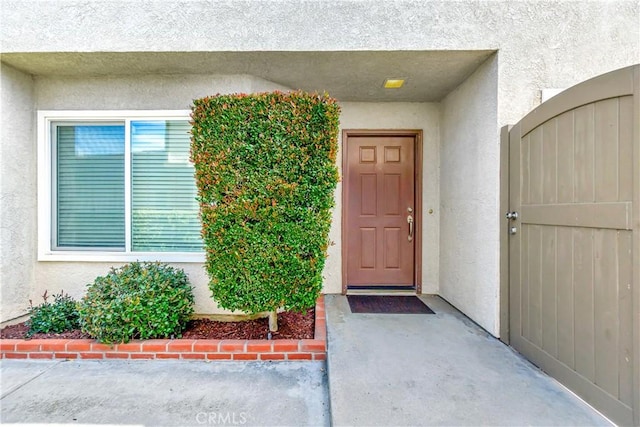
[345, 75]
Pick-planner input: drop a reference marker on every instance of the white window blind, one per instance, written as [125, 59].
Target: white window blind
[164, 210]
[89, 187]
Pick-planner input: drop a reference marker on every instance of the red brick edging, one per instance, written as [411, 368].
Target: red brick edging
[185, 349]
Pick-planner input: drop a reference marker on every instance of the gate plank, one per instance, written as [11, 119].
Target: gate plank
[525, 152]
[625, 324]
[564, 261]
[606, 150]
[524, 283]
[535, 166]
[606, 310]
[565, 154]
[535, 286]
[583, 302]
[584, 174]
[549, 163]
[548, 290]
[625, 166]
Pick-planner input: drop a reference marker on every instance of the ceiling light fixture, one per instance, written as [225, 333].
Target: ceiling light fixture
[393, 83]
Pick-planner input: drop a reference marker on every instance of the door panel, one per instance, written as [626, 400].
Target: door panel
[573, 246]
[380, 185]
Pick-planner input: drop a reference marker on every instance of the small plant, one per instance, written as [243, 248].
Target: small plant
[138, 300]
[53, 317]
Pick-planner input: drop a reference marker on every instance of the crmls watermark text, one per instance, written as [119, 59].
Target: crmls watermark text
[222, 418]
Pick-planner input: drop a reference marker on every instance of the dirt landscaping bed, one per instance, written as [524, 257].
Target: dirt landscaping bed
[300, 337]
[290, 326]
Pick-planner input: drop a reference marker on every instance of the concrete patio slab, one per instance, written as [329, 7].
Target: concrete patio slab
[164, 393]
[436, 369]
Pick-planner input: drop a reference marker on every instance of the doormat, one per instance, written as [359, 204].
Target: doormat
[399, 304]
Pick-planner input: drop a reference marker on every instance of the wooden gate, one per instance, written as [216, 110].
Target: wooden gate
[572, 229]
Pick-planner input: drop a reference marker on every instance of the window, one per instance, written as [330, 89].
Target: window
[88, 186]
[118, 186]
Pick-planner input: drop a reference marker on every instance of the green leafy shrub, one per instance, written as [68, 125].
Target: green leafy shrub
[266, 172]
[53, 317]
[138, 300]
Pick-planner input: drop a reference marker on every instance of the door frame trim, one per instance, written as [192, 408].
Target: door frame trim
[418, 166]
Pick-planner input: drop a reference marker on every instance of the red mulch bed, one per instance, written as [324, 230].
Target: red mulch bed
[19, 331]
[290, 326]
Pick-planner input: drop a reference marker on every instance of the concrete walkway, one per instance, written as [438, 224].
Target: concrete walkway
[441, 369]
[159, 393]
[383, 369]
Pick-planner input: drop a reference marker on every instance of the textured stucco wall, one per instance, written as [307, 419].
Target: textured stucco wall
[17, 191]
[220, 25]
[540, 45]
[469, 160]
[424, 116]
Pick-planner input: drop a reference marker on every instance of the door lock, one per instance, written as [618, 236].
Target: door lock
[512, 215]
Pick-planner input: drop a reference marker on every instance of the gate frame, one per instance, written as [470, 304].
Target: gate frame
[504, 234]
[636, 245]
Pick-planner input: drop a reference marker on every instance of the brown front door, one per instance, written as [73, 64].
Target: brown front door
[380, 232]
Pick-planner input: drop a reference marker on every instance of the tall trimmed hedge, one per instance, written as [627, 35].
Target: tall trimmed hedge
[265, 167]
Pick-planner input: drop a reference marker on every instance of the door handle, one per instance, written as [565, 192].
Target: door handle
[410, 221]
[512, 215]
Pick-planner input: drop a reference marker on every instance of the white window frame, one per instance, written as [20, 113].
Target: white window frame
[45, 169]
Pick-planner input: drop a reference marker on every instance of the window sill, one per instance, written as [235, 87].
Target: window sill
[76, 256]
